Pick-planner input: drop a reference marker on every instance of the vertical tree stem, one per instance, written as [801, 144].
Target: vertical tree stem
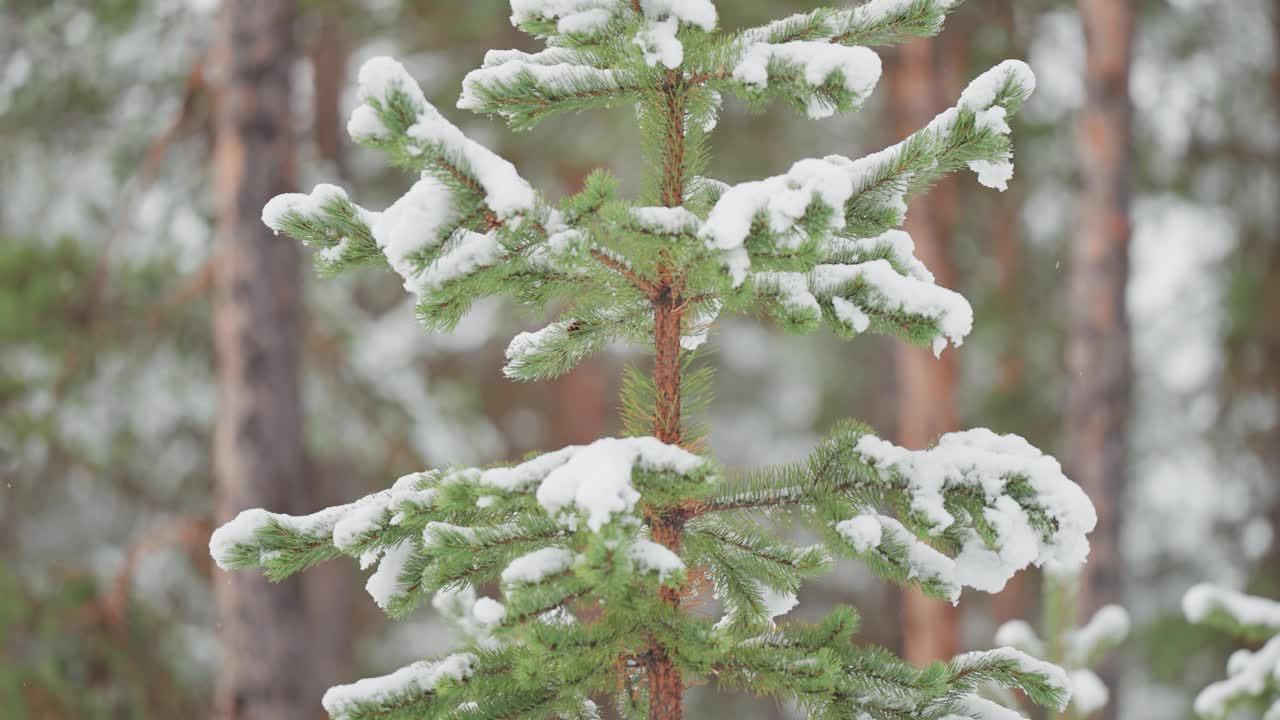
[666, 685]
[1098, 350]
[258, 455]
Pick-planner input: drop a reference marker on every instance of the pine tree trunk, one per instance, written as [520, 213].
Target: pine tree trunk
[332, 594]
[666, 684]
[333, 589]
[582, 405]
[1098, 350]
[926, 385]
[258, 456]
[329, 54]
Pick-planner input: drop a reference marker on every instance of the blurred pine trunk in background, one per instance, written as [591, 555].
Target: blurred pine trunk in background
[916, 92]
[1099, 377]
[258, 325]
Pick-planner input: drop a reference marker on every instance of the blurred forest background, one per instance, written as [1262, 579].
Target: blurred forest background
[1137, 334]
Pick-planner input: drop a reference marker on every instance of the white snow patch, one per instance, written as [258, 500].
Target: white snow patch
[657, 41]
[995, 175]
[898, 293]
[649, 556]
[981, 93]
[343, 702]
[306, 207]
[1088, 693]
[1019, 634]
[819, 61]
[863, 532]
[384, 585]
[1202, 600]
[777, 603]
[596, 479]
[982, 461]
[488, 612]
[537, 565]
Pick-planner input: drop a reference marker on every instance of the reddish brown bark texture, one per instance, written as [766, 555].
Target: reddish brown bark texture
[329, 54]
[1098, 351]
[666, 685]
[258, 456]
[926, 385]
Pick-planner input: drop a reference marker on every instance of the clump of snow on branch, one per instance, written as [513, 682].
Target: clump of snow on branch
[506, 193]
[781, 202]
[584, 16]
[1251, 674]
[1107, 629]
[344, 702]
[1054, 676]
[304, 206]
[900, 293]
[537, 565]
[878, 11]
[345, 525]
[984, 462]
[1202, 601]
[596, 479]
[563, 78]
[649, 556]
[863, 532]
[980, 97]
[818, 62]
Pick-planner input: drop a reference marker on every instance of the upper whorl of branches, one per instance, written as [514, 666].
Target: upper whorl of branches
[571, 538]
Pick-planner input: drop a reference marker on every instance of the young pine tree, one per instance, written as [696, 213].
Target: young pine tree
[1251, 688]
[603, 558]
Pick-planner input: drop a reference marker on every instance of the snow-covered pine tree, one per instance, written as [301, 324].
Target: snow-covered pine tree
[1251, 684]
[1063, 641]
[604, 555]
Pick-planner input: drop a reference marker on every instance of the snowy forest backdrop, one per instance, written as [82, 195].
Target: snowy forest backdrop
[108, 379]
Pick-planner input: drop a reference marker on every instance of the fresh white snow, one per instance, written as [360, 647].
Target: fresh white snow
[559, 79]
[412, 225]
[1108, 627]
[343, 701]
[1088, 693]
[1249, 675]
[1019, 634]
[1202, 600]
[488, 612]
[900, 293]
[667, 220]
[993, 174]
[777, 603]
[981, 93]
[863, 532]
[596, 480]
[383, 585]
[658, 42]
[537, 565]
[983, 461]
[649, 556]
[306, 207]
[859, 67]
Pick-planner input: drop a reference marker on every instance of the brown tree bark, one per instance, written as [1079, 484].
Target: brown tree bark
[926, 385]
[332, 590]
[1098, 346]
[666, 683]
[258, 455]
[329, 52]
[582, 397]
